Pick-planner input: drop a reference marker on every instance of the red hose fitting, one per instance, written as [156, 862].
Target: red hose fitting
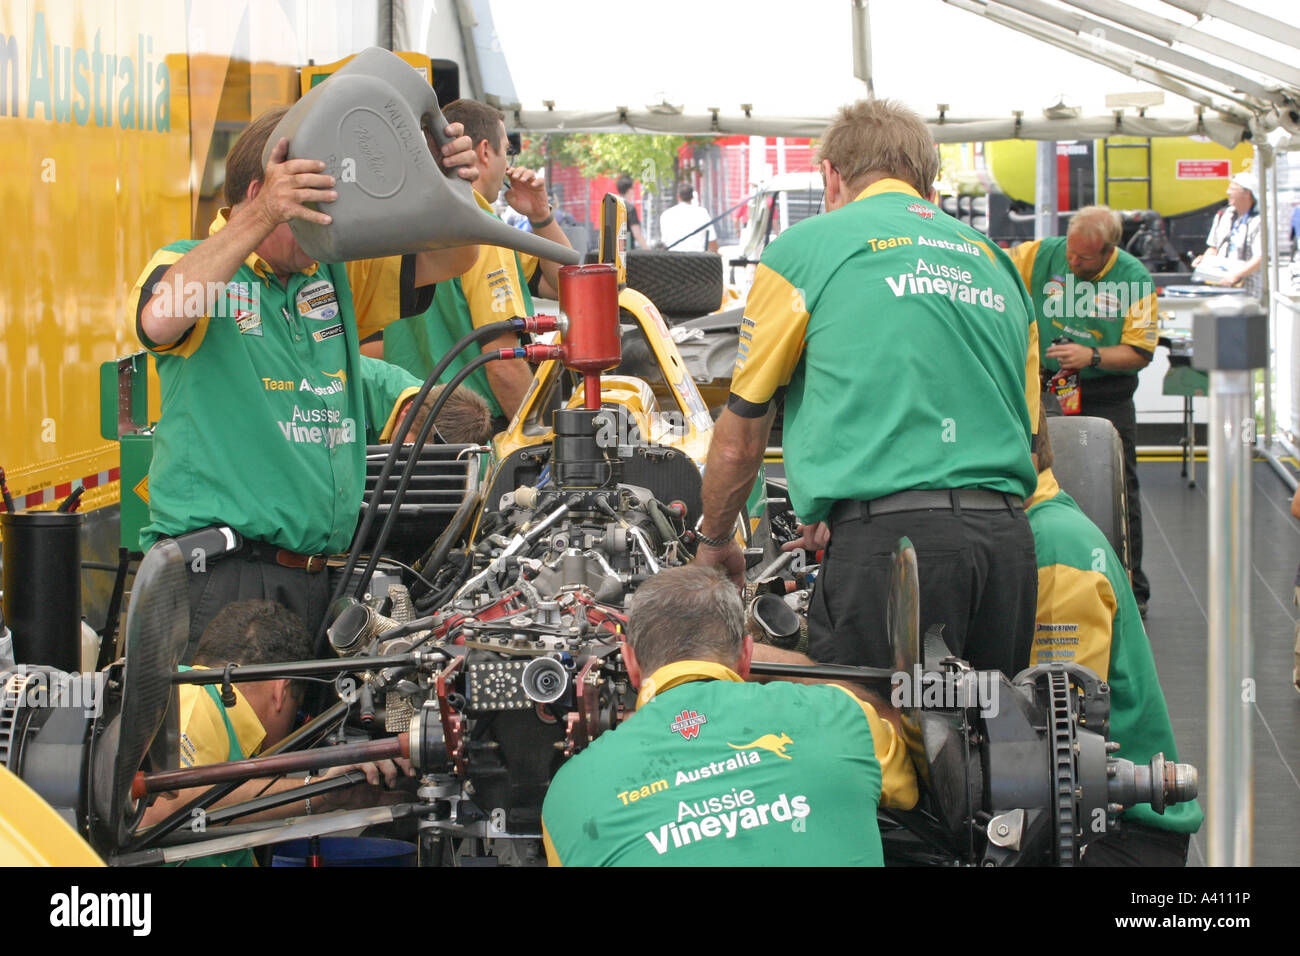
[539, 323]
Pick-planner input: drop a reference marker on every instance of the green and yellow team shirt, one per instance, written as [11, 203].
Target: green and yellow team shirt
[712, 771]
[265, 404]
[1116, 308]
[495, 288]
[1087, 615]
[210, 733]
[904, 339]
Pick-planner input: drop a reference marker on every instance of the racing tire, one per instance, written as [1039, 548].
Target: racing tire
[1089, 465]
[678, 283]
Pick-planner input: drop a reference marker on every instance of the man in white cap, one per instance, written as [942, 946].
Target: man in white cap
[1235, 234]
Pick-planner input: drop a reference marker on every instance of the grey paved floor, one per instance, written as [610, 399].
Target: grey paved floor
[1174, 532]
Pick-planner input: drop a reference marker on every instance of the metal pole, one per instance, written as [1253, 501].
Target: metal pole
[1045, 192]
[1230, 653]
[1267, 233]
[1229, 342]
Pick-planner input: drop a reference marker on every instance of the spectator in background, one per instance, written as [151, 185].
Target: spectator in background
[1234, 235]
[687, 227]
[636, 240]
[562, 216]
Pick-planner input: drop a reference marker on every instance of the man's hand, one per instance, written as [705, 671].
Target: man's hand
[458, 154]
[526, 193]
[388, 770]
[287, 185]
[729, 557]
[812, 537]
[381, 776]
[1071, 355]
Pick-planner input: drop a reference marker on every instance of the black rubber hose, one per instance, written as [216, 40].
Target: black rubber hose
[372, 507]
[433, 558]
[412, 460]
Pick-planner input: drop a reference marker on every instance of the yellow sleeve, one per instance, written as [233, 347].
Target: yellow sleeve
[1140, 328]
[1075, 617]
[492, 289]
[387, 431]
[552, 856]
[1023, 256]
[204, 739]
[771, 338]
[1033, 389]
[376, 293]
[897, 775]
[192, 338]
[529, 265]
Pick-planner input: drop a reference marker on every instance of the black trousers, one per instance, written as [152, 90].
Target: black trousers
[1138, 845]
[1123, 416]
[978, 577]
[243, 577]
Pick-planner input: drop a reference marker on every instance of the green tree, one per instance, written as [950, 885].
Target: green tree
[647, 158]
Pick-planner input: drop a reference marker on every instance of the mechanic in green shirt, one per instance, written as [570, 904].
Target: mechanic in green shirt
[713, 771]
[903, 342]
[265, 396]
[495, 287]
[1087, 615]
[1088, 290]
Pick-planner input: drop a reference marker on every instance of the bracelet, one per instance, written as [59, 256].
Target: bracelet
[713, 542]
[550, 218]
[307, 800]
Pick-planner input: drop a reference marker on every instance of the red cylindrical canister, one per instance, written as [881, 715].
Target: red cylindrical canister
[589, 297]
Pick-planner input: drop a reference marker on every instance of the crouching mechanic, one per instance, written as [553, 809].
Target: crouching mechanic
[257, 632]
[713, 771]
[1087, 614]
[265, 397]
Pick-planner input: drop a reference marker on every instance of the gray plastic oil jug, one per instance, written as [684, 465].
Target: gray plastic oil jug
[366, 123]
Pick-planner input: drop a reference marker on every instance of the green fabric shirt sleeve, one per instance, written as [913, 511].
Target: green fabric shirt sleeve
[383, 385]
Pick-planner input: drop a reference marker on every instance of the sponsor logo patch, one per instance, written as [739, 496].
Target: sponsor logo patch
[773, 742]
[688, 724]
[925, 212]
[318, 301]
[248, 323]
[329, 333]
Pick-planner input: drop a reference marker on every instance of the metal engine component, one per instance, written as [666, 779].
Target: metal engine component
[544, 680]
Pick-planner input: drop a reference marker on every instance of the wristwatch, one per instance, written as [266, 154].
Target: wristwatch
[712, 542]
[1096, 357]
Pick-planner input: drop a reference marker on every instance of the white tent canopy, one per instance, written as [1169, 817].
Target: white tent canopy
[769, 68]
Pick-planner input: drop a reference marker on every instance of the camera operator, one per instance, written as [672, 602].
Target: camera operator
[714, 771]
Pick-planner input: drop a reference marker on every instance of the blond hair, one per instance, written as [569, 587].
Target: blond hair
[880, 136]
[1097, 222]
